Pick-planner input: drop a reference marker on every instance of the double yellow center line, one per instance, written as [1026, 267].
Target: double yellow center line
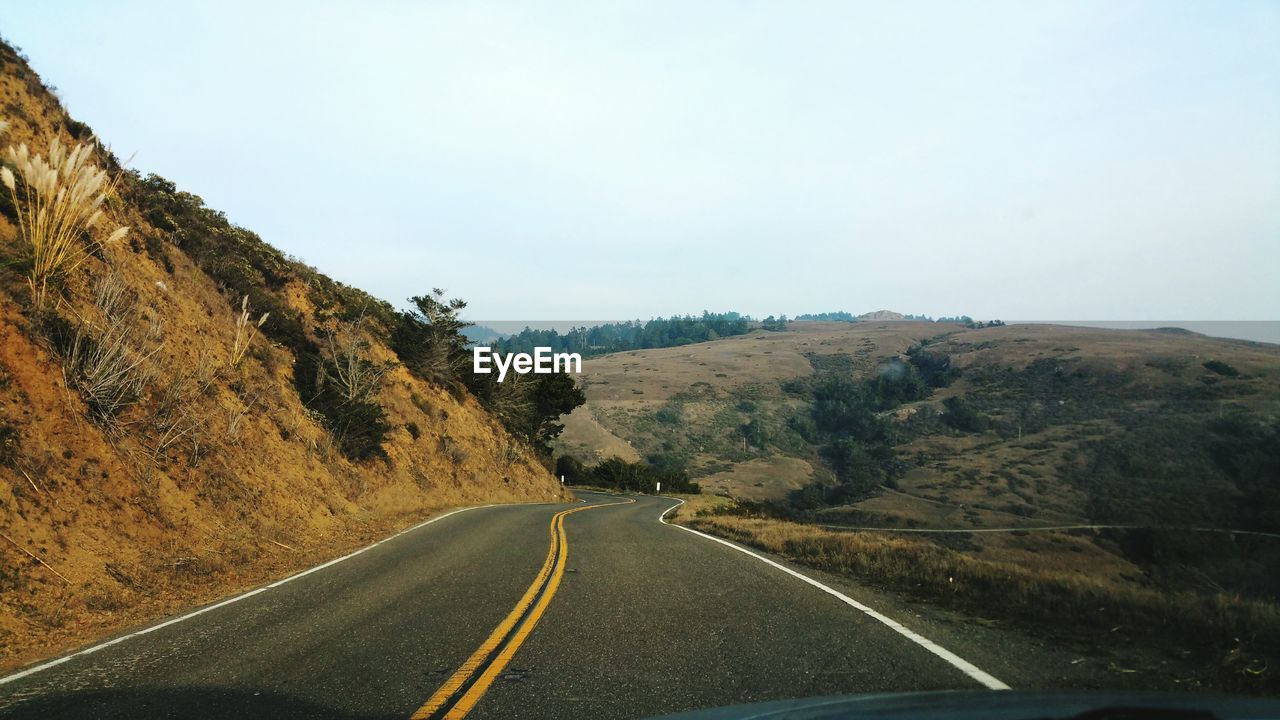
[459, 694]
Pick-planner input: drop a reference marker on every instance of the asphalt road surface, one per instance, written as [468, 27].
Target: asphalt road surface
[505, 612]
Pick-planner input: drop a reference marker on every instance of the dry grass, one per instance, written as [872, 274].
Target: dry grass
[586, 439]
[246, 331]
[761, 479]
[106, 360]
[1073, 602]
[59, 200]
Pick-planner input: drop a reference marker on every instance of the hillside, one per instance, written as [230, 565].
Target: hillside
[691, 402]
[154, 454]
[997, 437]
[723, 407]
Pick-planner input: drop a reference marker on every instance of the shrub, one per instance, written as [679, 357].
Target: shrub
[59, 201]
[1221, 368]
[666, 462]
[933, 367]
[803, 426]
[619, 474]
[339, 383]
[346, 369]
[668, 414]
[357, 427]
[103, 361]
[962, 416]
[858, 468]
[571, 469]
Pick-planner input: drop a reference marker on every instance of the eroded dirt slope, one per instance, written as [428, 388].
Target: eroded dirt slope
[215, 476]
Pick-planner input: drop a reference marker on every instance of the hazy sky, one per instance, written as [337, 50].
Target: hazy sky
[1075, 160]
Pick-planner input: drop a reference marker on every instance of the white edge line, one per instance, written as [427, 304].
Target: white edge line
[956, 661]
[236, 598]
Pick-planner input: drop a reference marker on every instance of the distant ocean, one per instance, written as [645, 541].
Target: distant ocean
[1267, 331]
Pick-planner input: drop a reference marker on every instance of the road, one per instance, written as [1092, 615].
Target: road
[508, 611]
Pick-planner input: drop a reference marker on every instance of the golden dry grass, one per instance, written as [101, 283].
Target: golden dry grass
[246, 332]
[60, 200]
[585, 438]
[1036, 593]
[760, 479]
[623, 389]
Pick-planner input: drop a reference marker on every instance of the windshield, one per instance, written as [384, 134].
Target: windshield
[621, 360]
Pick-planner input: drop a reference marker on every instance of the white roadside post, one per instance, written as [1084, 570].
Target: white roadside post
[659, 490]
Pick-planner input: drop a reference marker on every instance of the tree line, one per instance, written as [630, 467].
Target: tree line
[844, 316]
[617, 474]
[632, 335]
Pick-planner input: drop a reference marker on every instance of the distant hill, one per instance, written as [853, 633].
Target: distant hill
[972, 428]
[482, 334]
[881, 315]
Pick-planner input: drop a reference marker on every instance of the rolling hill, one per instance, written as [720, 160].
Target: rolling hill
[1058, 467]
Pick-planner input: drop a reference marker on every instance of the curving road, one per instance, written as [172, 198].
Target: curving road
[517, 611]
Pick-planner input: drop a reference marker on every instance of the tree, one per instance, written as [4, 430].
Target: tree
[553, 396]
[346, 367]
[774, 324]
[339, 381]
[570, 469]
[429, 338]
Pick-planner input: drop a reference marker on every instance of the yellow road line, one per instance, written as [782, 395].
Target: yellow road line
[468, 668]
[554, 567]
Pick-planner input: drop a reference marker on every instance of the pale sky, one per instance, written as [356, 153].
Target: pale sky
[551, 161]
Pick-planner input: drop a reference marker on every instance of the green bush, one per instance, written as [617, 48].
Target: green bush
[618, 474]
[358, 427]
[933, 367]
[669, 414]
[571, 469]
[1221, 368]
[858, 468]
[962, 416]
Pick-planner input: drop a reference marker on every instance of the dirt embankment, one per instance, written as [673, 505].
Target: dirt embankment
[213, 476]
